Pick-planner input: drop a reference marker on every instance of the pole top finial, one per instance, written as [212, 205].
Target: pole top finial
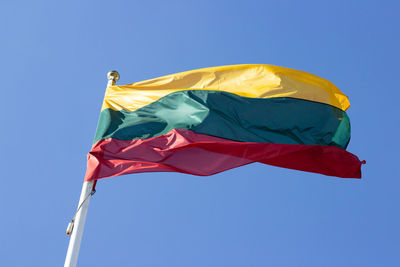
[113, 75]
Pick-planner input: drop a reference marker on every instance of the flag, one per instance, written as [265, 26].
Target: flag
[210, 120]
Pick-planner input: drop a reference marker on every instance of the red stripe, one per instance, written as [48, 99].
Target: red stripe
[187, 152]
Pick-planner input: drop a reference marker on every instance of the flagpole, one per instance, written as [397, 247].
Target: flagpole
[75, 228]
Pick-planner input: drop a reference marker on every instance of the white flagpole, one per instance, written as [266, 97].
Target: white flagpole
[75, 228]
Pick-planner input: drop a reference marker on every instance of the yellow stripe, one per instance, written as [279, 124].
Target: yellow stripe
[257, 81]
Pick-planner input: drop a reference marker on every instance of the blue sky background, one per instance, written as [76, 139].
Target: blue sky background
[54, 58]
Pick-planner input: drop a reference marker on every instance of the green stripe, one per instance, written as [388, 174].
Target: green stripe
[273, 120]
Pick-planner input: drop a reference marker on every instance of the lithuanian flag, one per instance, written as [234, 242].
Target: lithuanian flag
[210, 120]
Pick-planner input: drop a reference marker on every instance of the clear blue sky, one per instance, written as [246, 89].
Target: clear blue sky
[54, 59]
